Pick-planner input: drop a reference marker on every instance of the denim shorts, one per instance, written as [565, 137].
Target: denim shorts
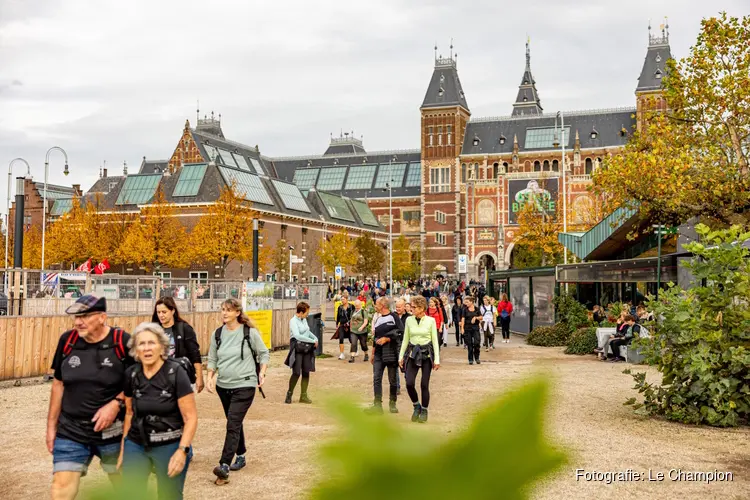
[72, 456]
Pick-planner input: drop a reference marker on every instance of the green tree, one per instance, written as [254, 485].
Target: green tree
[280, 260]
[690, 156]
[370, 256]
[338, 250]
[701, 344]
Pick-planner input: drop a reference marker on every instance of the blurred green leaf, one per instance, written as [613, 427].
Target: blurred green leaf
[501, 453]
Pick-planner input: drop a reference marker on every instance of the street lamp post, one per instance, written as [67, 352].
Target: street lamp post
[564, 184]
[7, 207]
[44, 204]
[389, 185]
[291, 249]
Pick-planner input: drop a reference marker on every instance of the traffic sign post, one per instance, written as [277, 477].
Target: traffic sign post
[463, 264]
[339, 272]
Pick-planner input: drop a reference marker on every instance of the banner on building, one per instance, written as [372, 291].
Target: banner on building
[541, 192]
[257, 303]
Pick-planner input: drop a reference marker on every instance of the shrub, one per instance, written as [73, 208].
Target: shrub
[549, 336]
[571, 314]
[583, 341]
[700, 343]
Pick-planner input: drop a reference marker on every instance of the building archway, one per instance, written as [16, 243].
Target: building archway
[508, 253]
[485, 261]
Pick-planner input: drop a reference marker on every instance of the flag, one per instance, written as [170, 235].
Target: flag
[86, 266]
[101, 267]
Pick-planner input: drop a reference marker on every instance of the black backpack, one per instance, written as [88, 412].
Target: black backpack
[245, 340]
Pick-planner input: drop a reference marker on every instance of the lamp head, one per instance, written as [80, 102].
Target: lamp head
[66, 171]
[291, 247]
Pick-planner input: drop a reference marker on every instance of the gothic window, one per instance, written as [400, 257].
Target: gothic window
[546, 166]
[589, 166]
[486, 213]
[495, 170]
[555, 166]
[505, 166]
[537, 166]
[463, 172]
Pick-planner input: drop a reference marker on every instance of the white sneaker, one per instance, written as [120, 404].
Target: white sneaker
[486, 349]
[341, 356]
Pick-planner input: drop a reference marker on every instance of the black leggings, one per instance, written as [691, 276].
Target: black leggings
[459, 337]
[505, 325]
[354, 338]
[411, 379]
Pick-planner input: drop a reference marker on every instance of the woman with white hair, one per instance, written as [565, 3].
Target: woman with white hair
[160, 419]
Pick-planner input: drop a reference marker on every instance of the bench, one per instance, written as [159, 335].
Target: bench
[631, 354]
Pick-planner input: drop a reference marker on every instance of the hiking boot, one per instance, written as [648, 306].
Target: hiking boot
[304, 399]
[417, 412]
[376, 408]
[392, 407]
[239, 462]
[351, 359]
[367, 357]
[479, 362]
[222, 471]
[288, 399]
[423, 416]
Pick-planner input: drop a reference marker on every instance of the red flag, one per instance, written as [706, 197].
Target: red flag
[101, 267]
[86, 266]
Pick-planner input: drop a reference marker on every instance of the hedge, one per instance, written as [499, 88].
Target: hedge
[549, 336]
[583, 341]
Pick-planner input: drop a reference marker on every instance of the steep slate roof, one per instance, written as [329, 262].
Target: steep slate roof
[654, 66]
[527, 99]
[153, 166]
[249, 153]
[445, 87]
[54, 191]
[608, 124]
[345, 145]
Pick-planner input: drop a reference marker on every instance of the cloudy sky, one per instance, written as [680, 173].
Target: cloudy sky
[115, 81]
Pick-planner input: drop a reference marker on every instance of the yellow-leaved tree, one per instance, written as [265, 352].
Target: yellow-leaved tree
[537, 242]
[157, 238]
[66, 242]
[338, 250]
[32, 248]
[225, 234]
[406, 264]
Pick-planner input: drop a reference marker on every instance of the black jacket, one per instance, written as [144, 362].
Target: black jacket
[346, 317]
[186, 342]
[389, 351]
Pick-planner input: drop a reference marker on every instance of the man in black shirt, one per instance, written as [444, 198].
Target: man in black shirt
[85, 411]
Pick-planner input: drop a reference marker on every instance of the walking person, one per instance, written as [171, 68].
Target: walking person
[183, 342]
[343, 323]
[403, 311]
[470, 328]
[87, 403]
[488, 323]
[237, 364]
[448, 312]
[419, 351]
[160, 419]
[505, 309]
[386, 332]
[358, 325]
[301, 357]
[457, 314]
[435, 311]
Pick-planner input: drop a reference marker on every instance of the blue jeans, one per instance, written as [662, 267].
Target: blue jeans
[72, 456]
[137, 464]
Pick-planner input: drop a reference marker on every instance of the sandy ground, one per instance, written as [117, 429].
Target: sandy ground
[586, 416]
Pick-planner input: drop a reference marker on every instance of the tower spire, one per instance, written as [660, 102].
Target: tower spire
[527, 99]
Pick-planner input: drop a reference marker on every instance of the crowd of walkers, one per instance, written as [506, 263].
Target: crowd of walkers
[130, 399]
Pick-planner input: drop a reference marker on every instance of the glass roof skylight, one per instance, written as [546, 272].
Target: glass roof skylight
[191, 177]
[247, 185]
[331, 179]
[337, 207]
[138, 189]
[360, 177]
[365, 214]
[291, 197]
[305, 178]
[414, 177]
[390, 172]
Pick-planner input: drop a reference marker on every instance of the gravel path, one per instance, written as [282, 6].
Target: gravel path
[586, 416]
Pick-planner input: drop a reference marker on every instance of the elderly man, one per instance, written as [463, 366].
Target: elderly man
[86, 405]
[387, 331]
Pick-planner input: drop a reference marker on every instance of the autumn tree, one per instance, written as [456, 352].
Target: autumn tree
[106, 230]
[690, 159]
[538, 230]
[225, 233]
[280, 260]
[406, 260]
[157, 238]
[66, 241]
[32, 248]
[370, 256]
[338, 250]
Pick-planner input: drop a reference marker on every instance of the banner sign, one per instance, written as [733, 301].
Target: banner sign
[541, 192]
[257, 303]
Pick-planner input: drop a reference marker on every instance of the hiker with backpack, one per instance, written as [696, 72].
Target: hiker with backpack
[387, 329]
[301, 357]
[489, 312]
[86, 407]
[183, 341]
[161, 418]
[237, 364]
[504, 310]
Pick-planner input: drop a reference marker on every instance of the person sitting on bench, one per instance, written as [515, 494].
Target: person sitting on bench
[632, 330]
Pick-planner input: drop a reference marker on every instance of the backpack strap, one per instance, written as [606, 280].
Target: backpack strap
[72, 339]
[217, 337]
[246, 335]
[120, 352]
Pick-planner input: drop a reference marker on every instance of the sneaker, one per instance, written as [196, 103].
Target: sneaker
[221, 471]
[478, 362]
[486, 349]
[304, 399]
[288, 399]
[471, 362]
[367, 357]
[398, 391]
[457, 344]
[417, 412]
[445, 345]
[423, 416]
[239, 463]
[341, 356]
[351, 359]
[392, 407]
[376, 408]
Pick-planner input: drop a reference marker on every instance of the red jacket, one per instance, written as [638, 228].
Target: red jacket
[504, 305]
[437, 315]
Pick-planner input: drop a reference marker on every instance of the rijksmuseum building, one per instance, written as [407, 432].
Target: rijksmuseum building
[457, 194]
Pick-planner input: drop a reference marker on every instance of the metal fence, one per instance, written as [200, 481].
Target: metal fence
[49, 293]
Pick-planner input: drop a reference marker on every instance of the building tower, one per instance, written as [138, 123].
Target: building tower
[527, 99]
[648, 93]
[445, 115]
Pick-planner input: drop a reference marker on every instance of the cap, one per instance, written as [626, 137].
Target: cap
[87, 304]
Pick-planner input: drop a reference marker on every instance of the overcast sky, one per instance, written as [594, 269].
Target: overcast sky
[115, 81]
